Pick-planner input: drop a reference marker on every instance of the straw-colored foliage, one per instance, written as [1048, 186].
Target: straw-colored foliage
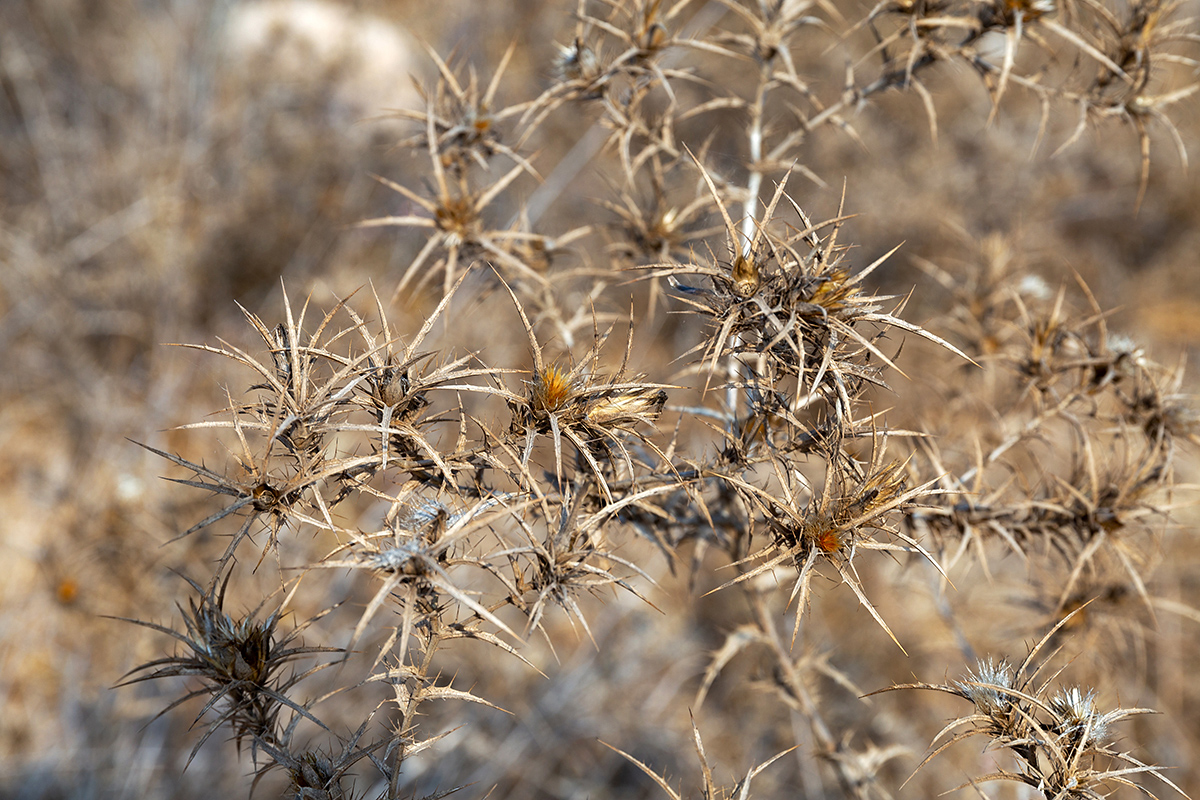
[556, 426]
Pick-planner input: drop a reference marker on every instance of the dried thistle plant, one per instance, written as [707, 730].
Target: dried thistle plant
[239, 663]
[1061, 740]
[459, 497]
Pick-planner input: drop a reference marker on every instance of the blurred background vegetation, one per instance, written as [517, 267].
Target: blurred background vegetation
[160, 160]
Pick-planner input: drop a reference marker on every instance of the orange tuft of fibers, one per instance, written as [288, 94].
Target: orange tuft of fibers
[828, 540]
[552, 390]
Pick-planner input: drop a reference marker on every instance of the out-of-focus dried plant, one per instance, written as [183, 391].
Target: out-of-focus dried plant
[644, 432]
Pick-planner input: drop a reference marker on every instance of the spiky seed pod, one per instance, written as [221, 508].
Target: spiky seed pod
[314, 776]
[626, 407]
[391, 387]
[239, 662]
[745, 276]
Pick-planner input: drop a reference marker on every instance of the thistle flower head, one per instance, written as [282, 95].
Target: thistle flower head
[984, 687]
[1077, 714]
[239, 661]
[551, 390]
[404, 559]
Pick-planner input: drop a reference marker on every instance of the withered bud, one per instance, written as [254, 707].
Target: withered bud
[577, 62]
[627, 407]
[745, 276]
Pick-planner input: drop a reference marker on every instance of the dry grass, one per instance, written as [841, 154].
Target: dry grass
[715, 399]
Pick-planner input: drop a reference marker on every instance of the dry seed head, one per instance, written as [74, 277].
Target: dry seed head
[314, 775]
[477, 122]
[302, 437]
[878, 490]
[391, 386]
[627, 407]
[984, 689]
[825, 536]
[576, 62]
[552, 389]
[402, 560]
[1077, 713]
[746, 278]
[428, 513]
[833, 291]
[239, 651]
[266, 496]
[981, 687]
[458, 219]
